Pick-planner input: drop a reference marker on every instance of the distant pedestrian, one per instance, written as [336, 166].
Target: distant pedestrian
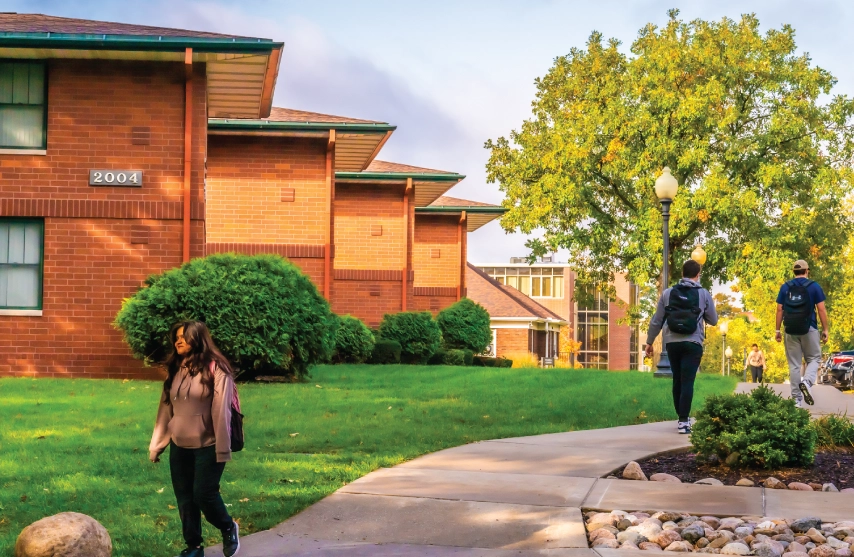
[680, 314]
[193, 420]
[756, 363]
[797, 304]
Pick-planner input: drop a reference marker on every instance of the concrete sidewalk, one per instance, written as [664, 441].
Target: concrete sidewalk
[828, 400]
[521, 497]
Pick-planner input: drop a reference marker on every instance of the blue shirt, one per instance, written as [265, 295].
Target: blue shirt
[814, 291]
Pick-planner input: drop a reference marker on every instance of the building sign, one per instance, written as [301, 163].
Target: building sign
[122, 178]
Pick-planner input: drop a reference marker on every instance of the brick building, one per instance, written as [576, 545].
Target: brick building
[606, 343]
[126, 150]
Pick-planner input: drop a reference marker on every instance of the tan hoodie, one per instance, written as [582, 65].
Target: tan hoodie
[195, 417]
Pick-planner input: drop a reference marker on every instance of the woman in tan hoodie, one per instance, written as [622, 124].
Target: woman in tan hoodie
[194, 420]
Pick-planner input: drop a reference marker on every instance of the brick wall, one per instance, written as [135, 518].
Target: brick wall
[367, 300]
[369, 226]
[436, 256]
[97, 111]
[511, 340]
[266, 190]
[619, 336]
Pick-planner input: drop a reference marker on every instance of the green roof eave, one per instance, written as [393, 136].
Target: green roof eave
[460, 209]
[265, 125]
[135, 42]
[419, 176]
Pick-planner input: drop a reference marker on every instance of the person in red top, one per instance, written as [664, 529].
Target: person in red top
[194, 420]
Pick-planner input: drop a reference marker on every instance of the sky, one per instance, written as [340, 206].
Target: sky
[450, 74]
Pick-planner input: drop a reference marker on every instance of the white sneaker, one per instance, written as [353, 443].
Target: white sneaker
[799, 404]
[683, 427]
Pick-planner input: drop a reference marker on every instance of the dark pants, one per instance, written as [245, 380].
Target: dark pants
[195, 479]
[756, 373]
[684, 361]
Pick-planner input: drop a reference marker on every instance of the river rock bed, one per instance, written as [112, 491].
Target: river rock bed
[748, 535]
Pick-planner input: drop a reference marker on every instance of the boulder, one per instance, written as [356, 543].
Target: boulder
[799, 486]
[633, 471]
[822, 551]
[601, 534]
[605, 544]
[836, 544]
[735, 548]
[650, 546]
[631, 537]
[829, 487]
[679, 546]
[667, 537]
[709, 481]
[650, 529]
[602, 518]
[765, 549]
[693, 533]
[816, 536]
[66, 534]
[744, 482]
[660, 477]
[802, 525]
[773, 483]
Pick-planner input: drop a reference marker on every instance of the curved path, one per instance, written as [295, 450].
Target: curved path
[519, 497]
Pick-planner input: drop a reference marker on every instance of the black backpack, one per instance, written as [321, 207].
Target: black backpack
[797, 308]
[683, 309]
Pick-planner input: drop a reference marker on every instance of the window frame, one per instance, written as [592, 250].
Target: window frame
[40, 222]
[12, 149]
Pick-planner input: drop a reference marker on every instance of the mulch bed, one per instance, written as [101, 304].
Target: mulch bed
[836, 467]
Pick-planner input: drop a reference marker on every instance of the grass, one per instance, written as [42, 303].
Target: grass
[82, 445]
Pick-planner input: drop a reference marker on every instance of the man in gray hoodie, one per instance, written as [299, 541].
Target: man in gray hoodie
[680, 314]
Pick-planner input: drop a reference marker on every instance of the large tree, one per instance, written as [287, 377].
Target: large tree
[749, 127]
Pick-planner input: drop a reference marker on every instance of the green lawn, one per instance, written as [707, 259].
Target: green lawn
[82, 445]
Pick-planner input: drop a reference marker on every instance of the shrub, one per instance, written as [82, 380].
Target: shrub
[465, 325]
[417, 333]
[760, 430]
[834, 431]
[386, 352]
[486, 361]
[262, 311]
[524, 359]
[354, 341]
[505, 362]
[438, 358]
[455, 357]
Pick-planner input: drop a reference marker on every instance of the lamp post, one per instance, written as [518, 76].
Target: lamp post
[728, 354]
[665, 189]
[723, 328]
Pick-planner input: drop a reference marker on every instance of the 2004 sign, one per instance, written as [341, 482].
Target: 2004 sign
[126, 178]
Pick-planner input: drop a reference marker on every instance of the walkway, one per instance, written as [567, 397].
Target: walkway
[518, 497]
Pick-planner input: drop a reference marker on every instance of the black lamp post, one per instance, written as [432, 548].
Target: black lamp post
[665, 189]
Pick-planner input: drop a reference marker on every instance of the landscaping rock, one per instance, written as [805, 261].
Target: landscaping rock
[732, 459]
[810, 546]
[650, 546]
[773, 483]
[744, 482]
[628, 546]
[802, 525]
[650, 529]
[829, 487]
[67, 534]
[719, 542]
[631, 537]
[624, 524]
[845, 552]
[822, 551]
[702, 542]
[798, 486]
[803, 540]
[709, 481]
[633, 471]
[765, 549]
[666, 516]
[665, 478]
[679, 546]
[605, 544]
[743, 531]
[797, 554]
[669, 526]
[735, 548]
[795, 547]
[602, 518]
[693, 533]
[730, 524]
[836, 544]
[713, 521]
[787, 538]
[667, 537]
[816, 536]
[601, 534]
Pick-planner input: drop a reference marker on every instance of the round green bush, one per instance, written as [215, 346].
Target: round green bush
[757, 430]
[416, 331]
[386, 352]
[263, 312]
[465, 325]
[354, 341]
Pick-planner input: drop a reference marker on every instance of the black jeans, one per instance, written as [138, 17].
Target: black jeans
[684, 361]
[756, 373]
[195, 479]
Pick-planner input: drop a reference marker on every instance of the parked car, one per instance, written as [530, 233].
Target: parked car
[838, 370]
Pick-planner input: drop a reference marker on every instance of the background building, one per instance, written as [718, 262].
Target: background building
[605, 343]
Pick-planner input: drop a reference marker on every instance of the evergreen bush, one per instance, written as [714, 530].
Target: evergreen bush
[354, 341]
[263, 313]
[416, 331]
[465, 325]
[454, 357]
[758, 430]
[386, 352]
[438, 358]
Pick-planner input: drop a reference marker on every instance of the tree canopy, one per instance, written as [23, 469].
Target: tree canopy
[760, 145]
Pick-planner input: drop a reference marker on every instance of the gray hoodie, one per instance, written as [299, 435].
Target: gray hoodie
[709, 315]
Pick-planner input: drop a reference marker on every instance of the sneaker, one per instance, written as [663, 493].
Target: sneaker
[231, 541]
[799, 403]
[807, 392]
[683, 427]
[193, 552]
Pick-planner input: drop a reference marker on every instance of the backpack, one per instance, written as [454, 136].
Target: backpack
[683, 309]
[236, 425]
[797, 308]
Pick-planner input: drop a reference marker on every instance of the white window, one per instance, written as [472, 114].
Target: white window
[21, 263]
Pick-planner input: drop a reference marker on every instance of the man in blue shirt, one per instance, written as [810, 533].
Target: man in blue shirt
[802, 337]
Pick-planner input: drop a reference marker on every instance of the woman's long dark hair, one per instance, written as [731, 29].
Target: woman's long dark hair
[203, 351]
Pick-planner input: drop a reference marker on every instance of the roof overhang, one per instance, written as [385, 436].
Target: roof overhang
[356, 144]
[428, 187]
[476, 216]
[241, 72]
